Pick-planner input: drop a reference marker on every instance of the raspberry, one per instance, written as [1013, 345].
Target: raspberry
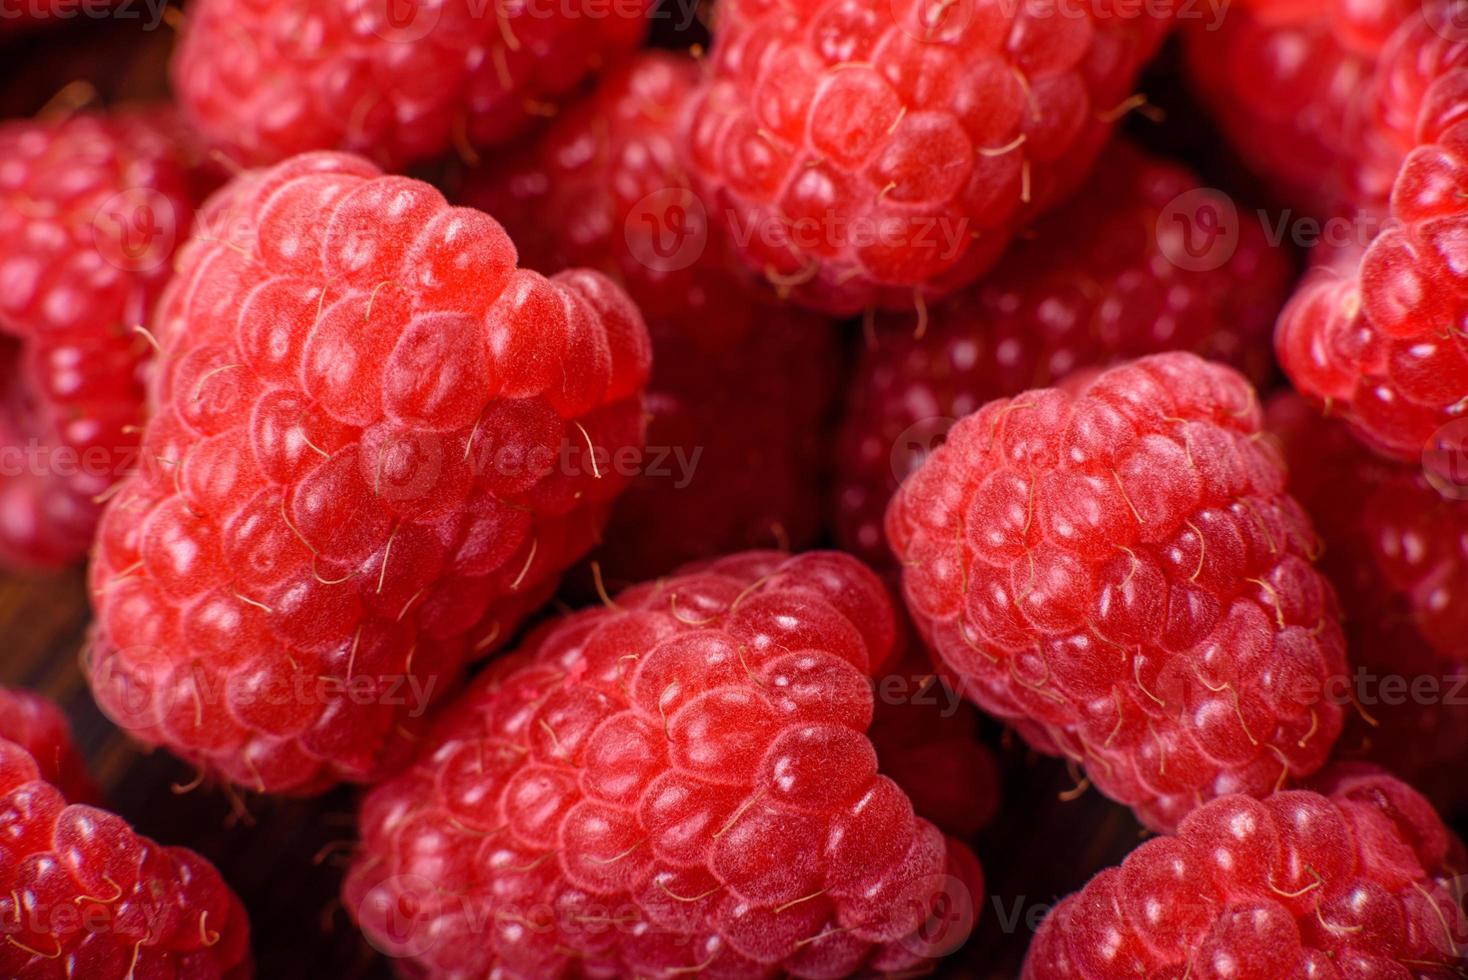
[39, 727]
[740, 430]
[1284, 82]
[742, 387]
[266, 79]
[1119, 572]
[90, 208]
[1098, 281]
[927, 740]
[860, 153]
[1395, 550]
[83, 895]
[677, 782]
[1367, 338]
[374, 449]
[1351, 878]
[1412, 97]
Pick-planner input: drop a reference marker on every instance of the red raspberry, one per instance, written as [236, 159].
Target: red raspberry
[1284, 82]
[1103, 279]
[1119, 572]
[1356, 877]
[677, 782]
[265, 79]
[40, 728]
[927, 740]
[1375, 340]
[864, 153]
[83, 895]
[742, 387]
[90, 209]
[370, 457]
[1397, 552]
[1411, 98]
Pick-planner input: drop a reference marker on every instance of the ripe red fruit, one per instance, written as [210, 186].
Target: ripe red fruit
[1284, 82]
[1354, 877]
[927, 740]
[90, 210]
[1397, 552]
[680, 781]
[83, 895]
[865, 153]
[39, 727]
[742, 386]
[265, 80]
[1373, 335]
[1118, 571]
[376, 445]
[1103, 279]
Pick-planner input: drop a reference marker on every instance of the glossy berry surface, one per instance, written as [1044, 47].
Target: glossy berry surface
[39, 727]
[397, 82]
[1119, 572]
[742, 387]
[1376, 336]
[1354, 877]
[1104, 279]
[678, 782]
[1284, 82]
[375, 446]
[865, 153]
[83, 895]
[91, 208]
[1397, 551]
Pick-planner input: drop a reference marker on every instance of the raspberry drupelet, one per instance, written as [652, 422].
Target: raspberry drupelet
[742, 387]
[82, 894]
[864, 153]
[1118, 572]
[266, 79]
[1397, 552]
[1355, 876]
[1376, 337]
[677, 782]
[1103, 279]
[375, 445]
[90, 210]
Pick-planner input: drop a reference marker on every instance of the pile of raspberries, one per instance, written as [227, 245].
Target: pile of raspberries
[678, 468]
